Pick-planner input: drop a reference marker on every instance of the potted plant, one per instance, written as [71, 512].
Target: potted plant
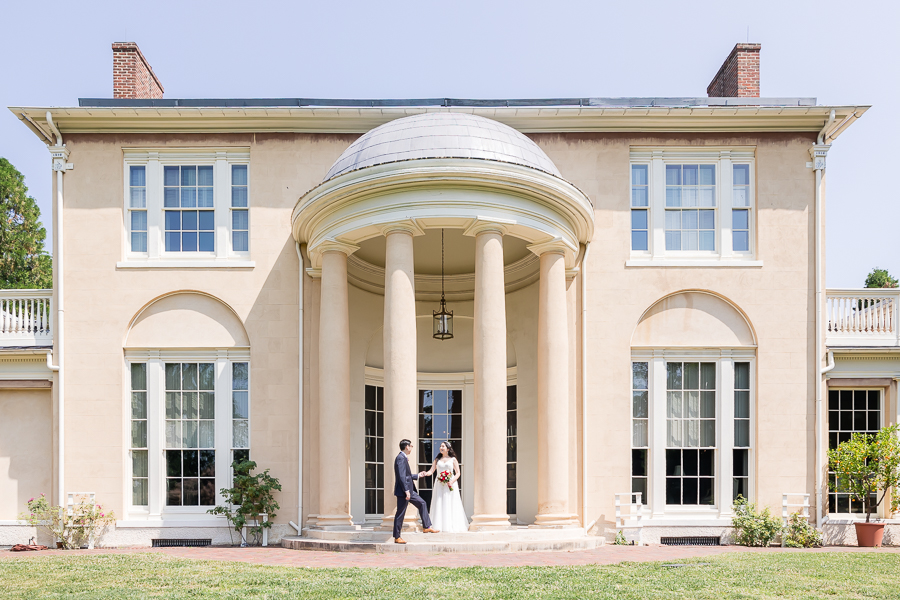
[72, 527]
[865, 465]
[250, 498]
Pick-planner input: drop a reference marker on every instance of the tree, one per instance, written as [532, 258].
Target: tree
[866, 464]
[23, 261]
[880, 278]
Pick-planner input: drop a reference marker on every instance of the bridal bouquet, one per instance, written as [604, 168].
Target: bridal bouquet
[444, 477]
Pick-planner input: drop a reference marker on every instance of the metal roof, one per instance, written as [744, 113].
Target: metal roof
[447, 102]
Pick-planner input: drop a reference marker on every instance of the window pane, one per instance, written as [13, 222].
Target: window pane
[173, 405]
[138, 198]
[639, 196]
[139, 492]
[639, 463]
[240, 405]
[741, 174]
[190, 439]
[206, 221]
[138, 405]
[742, 405]
[707, 219]
[673, 404]
[189, 241]
[689, 175]
[707, 433]
[205, 175]
[240, 241]
[639, 241]
[188, 197]
[170, 176]
[205, 198]
[239, 220]
[707, 405]
[740, 219]
[207, 405]
[171, 198]
[740, 197]
[189, 219]
[673, 434]
[239, 197]
[639, 375]
[707, 376]
[691, 376]
[173, 463]
[639, 174]
[638, 220]
[238, 174]
[207, 434]
[189, 376]
[707, 174]
[742, 433]
[673, 174]
[239, 376]
[139, 434]
[139, 377]
[241, 435]
[707, 197]
[173, 220]
[188, 176]
[173, 241]
[139, 242]
[639, 402]
[138, 220]
[673, 376]
[206, 242]
[639, 437]
[673, 197]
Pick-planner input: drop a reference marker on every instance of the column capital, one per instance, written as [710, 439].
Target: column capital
[486, 225]
[409, 226]
[556, 245]
[333, 245]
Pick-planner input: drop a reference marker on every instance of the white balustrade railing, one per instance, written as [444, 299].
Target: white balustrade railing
[862, 317]
[26, 318]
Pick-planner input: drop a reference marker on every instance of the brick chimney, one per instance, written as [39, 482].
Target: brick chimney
[738, 76]
[132, 75]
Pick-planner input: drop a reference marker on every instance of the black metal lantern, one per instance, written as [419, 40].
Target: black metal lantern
[443, 319]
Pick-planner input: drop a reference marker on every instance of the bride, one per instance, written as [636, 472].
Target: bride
[447, 512]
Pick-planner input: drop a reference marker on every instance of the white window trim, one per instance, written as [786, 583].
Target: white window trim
[154, 160]
[656, 468]
[723, 158]
[156, 443]
[882, 511]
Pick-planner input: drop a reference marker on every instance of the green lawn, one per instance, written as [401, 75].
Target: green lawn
[738, 575]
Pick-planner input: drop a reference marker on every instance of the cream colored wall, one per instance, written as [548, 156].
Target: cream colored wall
[101, 301]
[26, 443]
[778, 299]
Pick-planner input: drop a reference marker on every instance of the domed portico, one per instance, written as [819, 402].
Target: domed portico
[395, 189]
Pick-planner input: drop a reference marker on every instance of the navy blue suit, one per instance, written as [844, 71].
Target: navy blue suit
[403, 482]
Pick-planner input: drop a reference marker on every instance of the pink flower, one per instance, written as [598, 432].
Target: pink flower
[101, 514]
[42, 493]
[31, 500]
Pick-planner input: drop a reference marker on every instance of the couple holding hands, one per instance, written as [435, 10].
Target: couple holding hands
[446, 504]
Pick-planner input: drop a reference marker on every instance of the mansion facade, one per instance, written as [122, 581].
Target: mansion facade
[639, 318]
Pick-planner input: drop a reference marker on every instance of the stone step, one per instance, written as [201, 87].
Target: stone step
[432, 543]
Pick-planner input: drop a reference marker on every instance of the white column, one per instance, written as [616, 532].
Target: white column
[553, 392]
[725, 434]
[656, 481]
[400, 385]
[334, 391]
[489, 351]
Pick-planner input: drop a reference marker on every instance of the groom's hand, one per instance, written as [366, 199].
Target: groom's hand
[407, 495]
[423, 474]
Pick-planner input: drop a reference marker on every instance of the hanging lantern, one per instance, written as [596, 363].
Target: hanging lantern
[443, 319]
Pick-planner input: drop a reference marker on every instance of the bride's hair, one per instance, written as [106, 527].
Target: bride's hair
[450, 452]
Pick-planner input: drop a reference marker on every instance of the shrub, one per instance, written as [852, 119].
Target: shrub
[72, 528]
[800, 534]
[753, 528]
[620, 539]
[249, 497]
[866, 464]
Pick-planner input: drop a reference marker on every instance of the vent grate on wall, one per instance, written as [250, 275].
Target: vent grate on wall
[169, 543]
[691, 541]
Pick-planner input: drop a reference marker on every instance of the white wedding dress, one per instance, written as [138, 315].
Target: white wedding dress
[447, 512]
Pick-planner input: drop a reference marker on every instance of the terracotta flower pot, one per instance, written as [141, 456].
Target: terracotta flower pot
[869, 535]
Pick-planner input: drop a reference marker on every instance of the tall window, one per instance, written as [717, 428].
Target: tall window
[640, 203]
[690, 207]
[240, 411]
[139, 468]
[188, 190]
[374, 450]
[690, 433]
[512, 432]
[240, 219]
[640, 441]
[440, 419]
[741, 452]
[190, 434]
[137, 204]
[740, 213]
[849, 412]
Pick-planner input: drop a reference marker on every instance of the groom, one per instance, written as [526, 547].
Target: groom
[406, 492]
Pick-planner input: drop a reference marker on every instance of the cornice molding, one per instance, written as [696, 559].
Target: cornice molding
[527, 119]
[517, 275]
[464, 193]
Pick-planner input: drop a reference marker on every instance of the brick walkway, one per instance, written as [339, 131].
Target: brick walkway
[605, 555]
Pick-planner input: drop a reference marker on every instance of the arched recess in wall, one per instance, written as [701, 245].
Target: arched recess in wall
[186, 319]
[436, 356]
[696, 319]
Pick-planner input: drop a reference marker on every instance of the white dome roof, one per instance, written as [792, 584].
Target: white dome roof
[442, 135]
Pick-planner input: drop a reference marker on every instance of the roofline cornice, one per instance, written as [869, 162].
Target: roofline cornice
[356, 120]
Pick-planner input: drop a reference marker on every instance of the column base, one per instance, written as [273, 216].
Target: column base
[333, 522]
[410, 525]
[556, 521]
[489, 523]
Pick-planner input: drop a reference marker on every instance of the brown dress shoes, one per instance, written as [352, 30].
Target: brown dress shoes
[430, 530]
[399, 541]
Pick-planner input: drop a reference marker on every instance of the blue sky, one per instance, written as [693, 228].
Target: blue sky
[839, 53]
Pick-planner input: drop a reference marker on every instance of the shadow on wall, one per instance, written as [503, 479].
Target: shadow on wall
[436, 356]
[693, 318]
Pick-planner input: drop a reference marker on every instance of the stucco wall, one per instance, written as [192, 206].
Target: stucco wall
[26, 445]
[101, 300]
